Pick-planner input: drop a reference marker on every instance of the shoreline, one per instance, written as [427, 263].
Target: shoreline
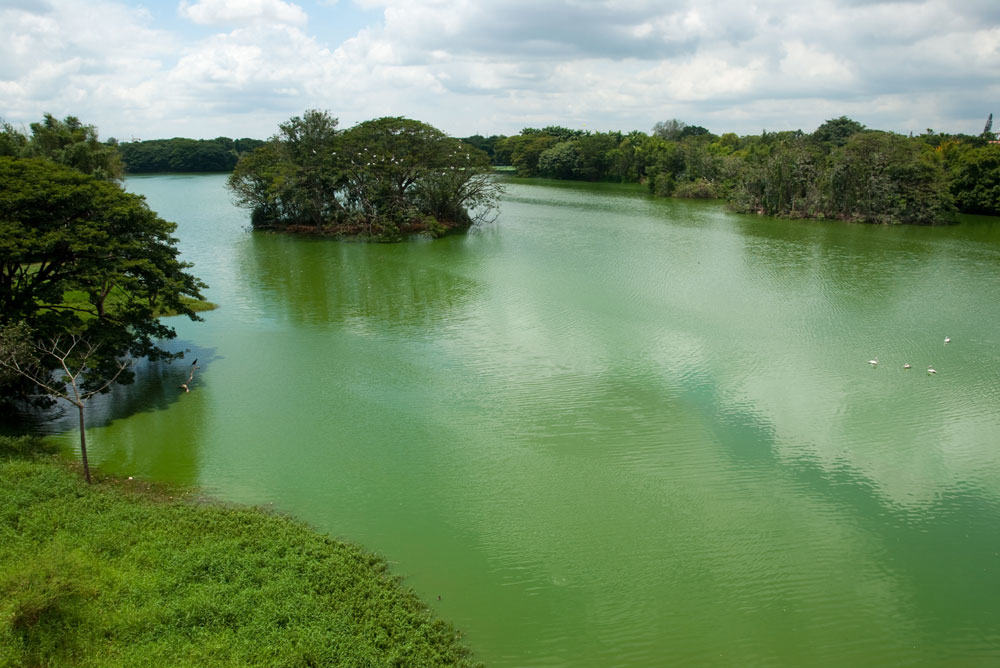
[129, 572]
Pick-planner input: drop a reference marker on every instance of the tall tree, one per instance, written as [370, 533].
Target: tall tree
[12, 141]
[670, 130]
[69, 142]
[61, 368]
[837, 131]
[79, 256]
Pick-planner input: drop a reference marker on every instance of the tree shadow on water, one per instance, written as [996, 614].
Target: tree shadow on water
[156, 387]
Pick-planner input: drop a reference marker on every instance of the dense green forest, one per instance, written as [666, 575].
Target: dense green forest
[184, 155]
[841, 170]
[75, 144]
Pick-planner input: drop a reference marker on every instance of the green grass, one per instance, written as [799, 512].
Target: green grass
[78, 299]
[122, 573]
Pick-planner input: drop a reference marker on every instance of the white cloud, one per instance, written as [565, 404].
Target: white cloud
[241, 12]
[806, 65]
[499, 65]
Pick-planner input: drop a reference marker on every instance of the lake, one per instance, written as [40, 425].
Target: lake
[608, 429]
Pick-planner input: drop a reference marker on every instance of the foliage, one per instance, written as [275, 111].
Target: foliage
[837, 131]
[782, 180]
[700, 188]
[184, 155]
[63, 232]
[880, 177]
[561, 161]
[669, 130]
[12, 142]
[974, 176]
[560, 153]
[74, 359]
[68, 142]
[840, 171]
[874, 177]
[120, 574]
[525, 150]
[488, 145]
[381, 179]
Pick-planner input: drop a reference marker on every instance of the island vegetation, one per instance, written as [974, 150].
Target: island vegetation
[382, 180]
[125, 573]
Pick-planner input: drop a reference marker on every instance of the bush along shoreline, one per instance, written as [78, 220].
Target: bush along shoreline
[126, 573]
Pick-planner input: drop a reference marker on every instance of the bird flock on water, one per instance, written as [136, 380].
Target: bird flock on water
[906, 365]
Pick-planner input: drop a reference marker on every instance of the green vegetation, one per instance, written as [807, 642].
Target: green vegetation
[122, 573]
[86, 271]
[842, 170]
[71, 143]
[873, 177]
[381, 180]
[185, 155]
[68, 142]
[79, 301]
[973, 175]
[63, 232]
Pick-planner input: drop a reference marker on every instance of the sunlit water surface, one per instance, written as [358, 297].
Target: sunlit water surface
[607, 429]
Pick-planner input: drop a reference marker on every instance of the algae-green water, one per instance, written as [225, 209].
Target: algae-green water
[608, 429]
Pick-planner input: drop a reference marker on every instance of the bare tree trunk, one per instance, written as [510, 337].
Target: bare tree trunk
[83, 444]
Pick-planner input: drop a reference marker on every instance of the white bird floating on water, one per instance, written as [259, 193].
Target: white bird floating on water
[873, 362]
[931, 369]
[906, 365]
[947, 339]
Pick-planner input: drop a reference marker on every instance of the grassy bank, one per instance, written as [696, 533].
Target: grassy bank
[80, 301]
[121, 573]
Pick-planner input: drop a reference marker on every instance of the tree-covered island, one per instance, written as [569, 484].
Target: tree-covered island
[381, 180]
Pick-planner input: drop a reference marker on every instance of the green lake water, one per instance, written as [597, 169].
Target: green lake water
[607, 429]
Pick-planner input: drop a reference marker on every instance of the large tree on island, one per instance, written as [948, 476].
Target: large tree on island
[381, 179]
[83, 259]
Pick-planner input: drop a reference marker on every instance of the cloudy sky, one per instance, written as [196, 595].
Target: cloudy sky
[204, 68]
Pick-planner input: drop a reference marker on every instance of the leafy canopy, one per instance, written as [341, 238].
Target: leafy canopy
[67, 142]
[64, 232]
[380, 179]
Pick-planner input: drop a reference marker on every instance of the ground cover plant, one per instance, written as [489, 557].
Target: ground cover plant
[121, 573]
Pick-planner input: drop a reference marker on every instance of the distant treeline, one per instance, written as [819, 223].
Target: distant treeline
[842, 170]
[184, 155]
